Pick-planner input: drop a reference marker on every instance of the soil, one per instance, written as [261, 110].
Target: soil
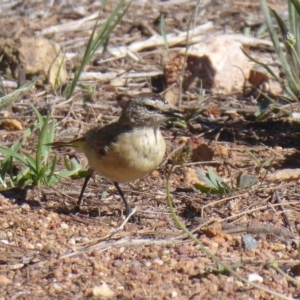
[48, 251]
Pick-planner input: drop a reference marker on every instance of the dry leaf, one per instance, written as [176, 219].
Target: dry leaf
[222, 151]
[11, 125]
[200, 150]
[155, 174]
[191, 177]
[212, 111]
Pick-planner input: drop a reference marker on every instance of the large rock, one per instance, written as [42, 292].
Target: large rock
[217, 65]
[34, 56]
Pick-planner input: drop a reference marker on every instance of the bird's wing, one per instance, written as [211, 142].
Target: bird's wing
[101, 137]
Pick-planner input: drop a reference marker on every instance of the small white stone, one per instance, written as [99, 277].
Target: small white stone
[174, 294]
[295, 116]
[239, 283]
[102, 290]
[166, 251]
[255, 277]
[64, 225]
[84, 240]
[158, 261]
[148, 264]
[26, 207]
[72, 242]
[39, 246]
[57, 287]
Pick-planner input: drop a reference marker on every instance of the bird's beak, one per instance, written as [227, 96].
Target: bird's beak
[174, 113]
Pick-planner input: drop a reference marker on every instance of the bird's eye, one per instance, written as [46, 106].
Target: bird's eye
[150, 108]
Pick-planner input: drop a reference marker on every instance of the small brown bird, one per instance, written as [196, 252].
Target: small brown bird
[128, 149]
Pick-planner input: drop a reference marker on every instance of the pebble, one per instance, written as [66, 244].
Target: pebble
[102, 291]
[26, 207]
[255, 277]
[72, 242]
[57, 287]
[118, 263]
[135, 264]
[174, 294]
[4, 280]
[39, 246]
[64, 225]
[249, 242]
[158, 261]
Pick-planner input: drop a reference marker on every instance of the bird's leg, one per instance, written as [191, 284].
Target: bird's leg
[88, 176]
[127, 206]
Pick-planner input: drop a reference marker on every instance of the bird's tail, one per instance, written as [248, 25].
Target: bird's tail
[78, 144]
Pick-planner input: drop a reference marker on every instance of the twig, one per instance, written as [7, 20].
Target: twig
[256, 209]
[285, 216]
[109, 235]
[105, 245]
[121, 227]
[71, 26]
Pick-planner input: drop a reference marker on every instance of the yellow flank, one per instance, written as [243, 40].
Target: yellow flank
[133, 155]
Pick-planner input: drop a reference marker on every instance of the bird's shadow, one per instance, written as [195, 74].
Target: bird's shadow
[20, 196]
[34, 197]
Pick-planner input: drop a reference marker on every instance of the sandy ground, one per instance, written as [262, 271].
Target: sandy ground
[49, 252]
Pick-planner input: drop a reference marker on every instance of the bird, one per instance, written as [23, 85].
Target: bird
[128, 149]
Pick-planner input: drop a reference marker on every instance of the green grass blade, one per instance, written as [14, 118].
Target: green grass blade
[2, 90]
[282, 26]
[30, 162]
[270, 71]
[294, 21]
[41, 176]
[6, 167]
[41, 146]
[39, 116]
[73, 168]
[213, 178]
[292, 60]
[274, 37]
[7, 162]
[95, 41]
[78, 71]
[296, 4]
[24, 177]
[15, 148]
[29, 130]
[9, 99]
[163, 33]
[49, 138]
[110, 25]
[10, 152]
[51, 177]
[46, 136]
[68, 174]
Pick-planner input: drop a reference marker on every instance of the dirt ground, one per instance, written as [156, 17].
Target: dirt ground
[49, 252]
